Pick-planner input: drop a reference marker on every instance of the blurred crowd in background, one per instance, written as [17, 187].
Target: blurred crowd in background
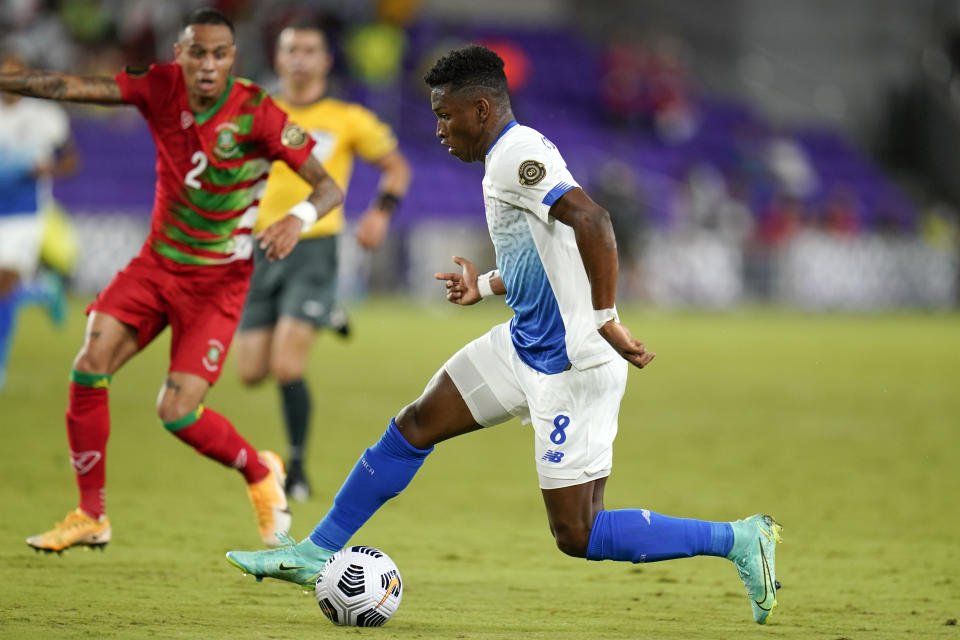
[102, 36]
[714, 202]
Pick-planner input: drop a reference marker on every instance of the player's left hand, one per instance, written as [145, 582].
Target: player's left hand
[279, 239]
[372, 228]
[629, 348]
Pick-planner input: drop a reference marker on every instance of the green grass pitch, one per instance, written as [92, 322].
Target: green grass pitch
[844, 427]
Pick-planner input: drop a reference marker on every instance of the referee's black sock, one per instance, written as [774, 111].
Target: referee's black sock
[296, 413]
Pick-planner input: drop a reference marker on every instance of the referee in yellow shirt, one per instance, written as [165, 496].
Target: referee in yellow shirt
[291, 298]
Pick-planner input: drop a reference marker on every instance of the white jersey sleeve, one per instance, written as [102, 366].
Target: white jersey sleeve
[530, 173]
[31, 133]
[32, 130]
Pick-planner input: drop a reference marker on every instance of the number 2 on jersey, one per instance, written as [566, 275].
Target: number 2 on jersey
[199, 160]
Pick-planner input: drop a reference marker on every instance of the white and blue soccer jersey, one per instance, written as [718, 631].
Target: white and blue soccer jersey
[538, 259]
[31, 132]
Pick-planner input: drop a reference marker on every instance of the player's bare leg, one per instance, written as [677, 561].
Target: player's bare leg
[571, 512]
[382, 472]
[251, 354]
[289, 354]
[180, 408]
[107, 345]
[180, 394]
[292, 340]
[9, 279]
[439, 414]
[282, 350]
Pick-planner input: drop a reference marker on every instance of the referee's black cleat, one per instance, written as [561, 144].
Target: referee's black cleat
[297, 486]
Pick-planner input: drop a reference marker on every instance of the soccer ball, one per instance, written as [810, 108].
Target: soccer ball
[359, 587]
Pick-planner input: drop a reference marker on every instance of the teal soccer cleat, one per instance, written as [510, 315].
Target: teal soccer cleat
[754, 548]
[299, 563]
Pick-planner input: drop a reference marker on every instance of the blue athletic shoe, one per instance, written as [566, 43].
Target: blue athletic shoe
[299, 563]
[754, 549]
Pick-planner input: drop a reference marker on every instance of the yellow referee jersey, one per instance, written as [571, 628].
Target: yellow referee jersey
[341, 130]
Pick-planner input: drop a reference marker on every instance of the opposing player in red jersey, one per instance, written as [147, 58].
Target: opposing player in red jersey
[216, 137]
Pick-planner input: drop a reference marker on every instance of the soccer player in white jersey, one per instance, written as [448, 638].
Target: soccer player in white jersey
[560, 363]
[35, 146]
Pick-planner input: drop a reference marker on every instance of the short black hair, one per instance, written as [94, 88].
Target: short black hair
[306, 23]
[468, 67]
[303, 23]
[209, 16]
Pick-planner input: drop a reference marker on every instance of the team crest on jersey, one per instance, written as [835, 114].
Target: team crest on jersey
[293, 136]
[531, 172]
[226, 145]
[186, 119]
[211, 361]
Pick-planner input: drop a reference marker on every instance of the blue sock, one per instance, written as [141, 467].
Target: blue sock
[47, 290]
[8, 319]
[382, 472]
[639, 535]
[34, 292]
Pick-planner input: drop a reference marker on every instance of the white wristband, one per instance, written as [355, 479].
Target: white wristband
[483, 283]
[307, 213]
[603, 316]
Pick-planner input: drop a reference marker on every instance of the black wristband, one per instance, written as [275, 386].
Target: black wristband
[387, 201]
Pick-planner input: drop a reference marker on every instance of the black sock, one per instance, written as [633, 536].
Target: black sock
[296, 413]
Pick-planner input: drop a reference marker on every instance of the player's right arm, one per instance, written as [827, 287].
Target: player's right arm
[61, 86]
[598, 250]
[279, 239]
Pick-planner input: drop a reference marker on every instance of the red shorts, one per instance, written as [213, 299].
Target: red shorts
[202, 305]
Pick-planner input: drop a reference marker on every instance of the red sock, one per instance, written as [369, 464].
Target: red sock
[88, 427]
[213, 436]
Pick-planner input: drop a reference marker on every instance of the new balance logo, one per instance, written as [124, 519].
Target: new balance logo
[552, 456]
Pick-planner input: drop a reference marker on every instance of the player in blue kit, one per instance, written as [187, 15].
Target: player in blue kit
[35, 146]
[560, 363]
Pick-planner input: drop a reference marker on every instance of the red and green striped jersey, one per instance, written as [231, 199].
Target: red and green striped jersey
[212, 166]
